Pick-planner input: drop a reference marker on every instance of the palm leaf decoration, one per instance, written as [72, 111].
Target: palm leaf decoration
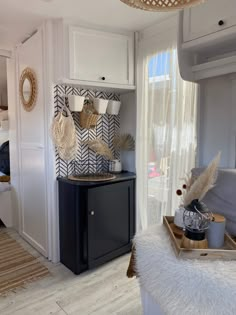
[124, 142]
[100, 148]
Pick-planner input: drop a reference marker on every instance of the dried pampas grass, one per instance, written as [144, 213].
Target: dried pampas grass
[124, 142]
[203, 183]
[100, 148]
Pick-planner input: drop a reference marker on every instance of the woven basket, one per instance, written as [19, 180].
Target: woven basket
[88, 121]
[161, 5]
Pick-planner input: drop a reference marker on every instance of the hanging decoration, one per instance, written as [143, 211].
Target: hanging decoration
[161, 5]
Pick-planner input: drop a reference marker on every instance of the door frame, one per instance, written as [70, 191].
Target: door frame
[53, 252]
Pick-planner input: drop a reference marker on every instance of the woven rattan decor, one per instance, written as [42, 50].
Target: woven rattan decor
[107, 127]
[94, 177]
[17, 266]
[28, 76]
[161, 5]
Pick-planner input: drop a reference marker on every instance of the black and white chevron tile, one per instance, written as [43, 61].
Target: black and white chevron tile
[108, 126]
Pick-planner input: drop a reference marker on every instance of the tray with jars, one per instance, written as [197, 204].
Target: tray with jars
[226, 252]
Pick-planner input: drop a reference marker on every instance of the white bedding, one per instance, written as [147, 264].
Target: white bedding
[182, 287]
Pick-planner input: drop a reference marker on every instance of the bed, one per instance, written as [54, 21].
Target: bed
[5, 203]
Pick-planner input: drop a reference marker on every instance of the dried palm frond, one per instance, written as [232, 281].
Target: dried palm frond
[124, 142]
[100, 148]
[203, 183]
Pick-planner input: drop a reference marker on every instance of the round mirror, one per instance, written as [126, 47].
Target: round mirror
[28, 89]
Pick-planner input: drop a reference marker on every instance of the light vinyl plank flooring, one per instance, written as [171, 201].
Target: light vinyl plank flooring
[102, 291]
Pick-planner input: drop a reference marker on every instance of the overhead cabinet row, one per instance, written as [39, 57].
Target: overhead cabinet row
[207, 40]
[211, 17]
[94, 57]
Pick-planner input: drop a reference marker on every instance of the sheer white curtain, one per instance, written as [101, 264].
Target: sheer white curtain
[166, 131]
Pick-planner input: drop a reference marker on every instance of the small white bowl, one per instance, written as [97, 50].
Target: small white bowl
[113, 107]
[100, 105]
[76, 103]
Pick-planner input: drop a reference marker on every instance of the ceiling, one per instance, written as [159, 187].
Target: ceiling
[19, 18]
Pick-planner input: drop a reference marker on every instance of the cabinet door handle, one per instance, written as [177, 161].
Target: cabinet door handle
[92, 212]
[103, 78]
[221, 22]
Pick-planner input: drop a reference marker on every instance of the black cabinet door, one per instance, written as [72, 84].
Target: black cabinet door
[110, 221]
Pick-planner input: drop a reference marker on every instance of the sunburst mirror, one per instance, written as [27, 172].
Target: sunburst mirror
[28, 89]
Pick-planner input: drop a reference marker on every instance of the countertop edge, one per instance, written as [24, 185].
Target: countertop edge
[119, 178]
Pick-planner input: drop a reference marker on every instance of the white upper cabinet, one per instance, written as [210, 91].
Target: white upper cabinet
[100, 56]
[207, 40]
[208, 18]
[93, 58]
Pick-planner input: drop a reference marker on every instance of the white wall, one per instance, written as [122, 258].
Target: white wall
[217, 121]
[128, 125]
[29, 145]
[14, 157]
[3, 81]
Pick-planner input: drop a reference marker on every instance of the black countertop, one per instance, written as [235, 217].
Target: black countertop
[119, 178]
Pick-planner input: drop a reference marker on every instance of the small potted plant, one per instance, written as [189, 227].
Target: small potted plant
[123, 142]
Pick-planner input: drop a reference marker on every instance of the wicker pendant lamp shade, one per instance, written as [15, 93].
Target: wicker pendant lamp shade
[161, 5]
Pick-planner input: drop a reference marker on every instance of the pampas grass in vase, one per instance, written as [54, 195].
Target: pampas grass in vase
[203, 183]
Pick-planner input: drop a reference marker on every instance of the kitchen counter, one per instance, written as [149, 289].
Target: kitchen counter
[123, 176]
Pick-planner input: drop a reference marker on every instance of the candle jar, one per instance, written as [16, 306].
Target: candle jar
[196, 219]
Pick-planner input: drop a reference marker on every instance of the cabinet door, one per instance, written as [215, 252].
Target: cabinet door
[110, 220]
[100, 56]
[210, 17]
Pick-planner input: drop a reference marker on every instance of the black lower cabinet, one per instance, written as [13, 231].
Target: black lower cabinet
[97, 221]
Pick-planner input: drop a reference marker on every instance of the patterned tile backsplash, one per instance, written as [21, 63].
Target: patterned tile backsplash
[107, 127]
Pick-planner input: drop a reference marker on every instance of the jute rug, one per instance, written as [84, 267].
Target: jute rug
[17, 266]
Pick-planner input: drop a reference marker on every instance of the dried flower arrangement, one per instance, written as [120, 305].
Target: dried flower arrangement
[100, 148]
[124, 142]
[196, 188]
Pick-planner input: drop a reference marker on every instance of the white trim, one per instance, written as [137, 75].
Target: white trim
[98, 86]
[5, 53]
[232, 147]
[214, 68]
[35, 244]
[18, 137]
[52, 200]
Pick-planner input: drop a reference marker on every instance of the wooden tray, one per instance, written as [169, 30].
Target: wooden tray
[97, 177]
[228, 252]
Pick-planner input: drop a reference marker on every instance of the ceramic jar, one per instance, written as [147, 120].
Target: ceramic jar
[115, 166]
[178, 219]
[113, 107]
[76, 103]
[100, 105]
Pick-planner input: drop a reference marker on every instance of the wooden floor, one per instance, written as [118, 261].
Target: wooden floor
[102, 291]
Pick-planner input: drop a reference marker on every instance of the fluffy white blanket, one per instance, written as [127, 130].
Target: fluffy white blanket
[183, 287]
